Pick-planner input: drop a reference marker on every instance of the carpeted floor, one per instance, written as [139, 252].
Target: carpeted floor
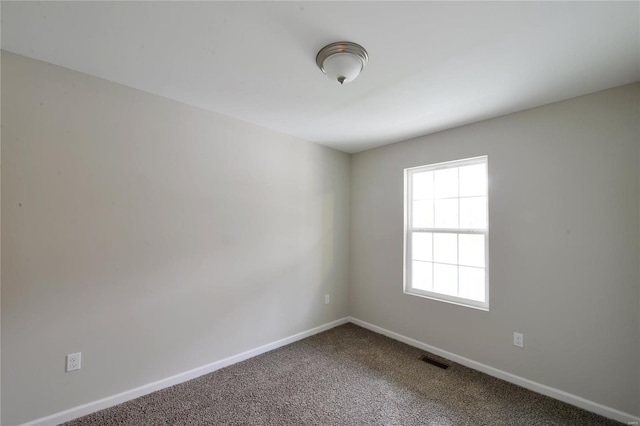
[344, 376]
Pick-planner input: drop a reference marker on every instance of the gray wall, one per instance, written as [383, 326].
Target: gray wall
[564, 243]
[152, 236]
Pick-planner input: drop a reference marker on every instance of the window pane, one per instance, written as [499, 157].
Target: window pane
[421, 246]
[472, 283]
[422, 185]
[473, 180]
[445, 248]
[422, 214]
[446, 213]
[471, 250]
[445, 279]
[473, 213]
[446, 183]
[421, 276]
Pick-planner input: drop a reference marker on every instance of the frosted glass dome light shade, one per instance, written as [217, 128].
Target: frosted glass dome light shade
[342, 61]
[342, 65]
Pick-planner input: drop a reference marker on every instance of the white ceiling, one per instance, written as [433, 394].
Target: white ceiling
[432, 65]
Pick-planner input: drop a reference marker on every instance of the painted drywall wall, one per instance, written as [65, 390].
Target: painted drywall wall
[0, 247]
[564, 224]
[152, 236]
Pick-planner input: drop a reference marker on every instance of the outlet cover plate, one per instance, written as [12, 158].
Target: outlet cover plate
[74, 361]
[518, 339]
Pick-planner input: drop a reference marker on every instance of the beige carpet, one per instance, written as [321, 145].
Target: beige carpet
[344, 376]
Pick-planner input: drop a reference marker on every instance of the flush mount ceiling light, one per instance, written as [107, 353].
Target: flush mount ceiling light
[342, 61]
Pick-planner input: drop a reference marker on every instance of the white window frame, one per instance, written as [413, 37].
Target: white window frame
[409, 230]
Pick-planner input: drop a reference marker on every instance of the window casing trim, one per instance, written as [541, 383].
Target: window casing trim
[408, 232]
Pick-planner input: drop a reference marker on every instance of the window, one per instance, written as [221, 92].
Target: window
[446, 232]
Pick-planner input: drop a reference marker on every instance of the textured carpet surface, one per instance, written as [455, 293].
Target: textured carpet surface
[344, 376]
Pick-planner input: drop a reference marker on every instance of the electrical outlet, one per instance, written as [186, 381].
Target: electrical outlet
[518, 339]
[74, 361]
[327, 299]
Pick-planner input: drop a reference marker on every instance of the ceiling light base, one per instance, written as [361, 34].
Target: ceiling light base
[342, 61]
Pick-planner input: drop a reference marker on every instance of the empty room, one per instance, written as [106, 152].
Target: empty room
[322, 213]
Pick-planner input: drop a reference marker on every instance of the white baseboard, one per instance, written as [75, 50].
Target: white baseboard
[110, 401]
[583, 403]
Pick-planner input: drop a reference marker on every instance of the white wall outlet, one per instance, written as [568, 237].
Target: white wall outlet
[74, 361]
[518, 340]
[327, 299]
